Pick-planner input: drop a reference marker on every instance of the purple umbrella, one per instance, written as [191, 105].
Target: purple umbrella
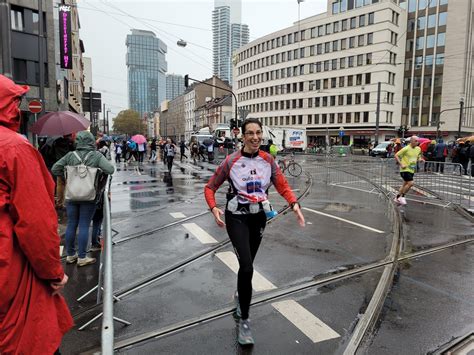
[60, 123]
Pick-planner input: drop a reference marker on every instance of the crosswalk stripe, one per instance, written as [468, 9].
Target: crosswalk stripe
[310, 325]
[344, 220]
[177, 215]
[259, 282]
[199, 233]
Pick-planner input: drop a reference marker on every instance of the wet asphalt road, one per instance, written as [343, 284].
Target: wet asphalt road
[347, 226]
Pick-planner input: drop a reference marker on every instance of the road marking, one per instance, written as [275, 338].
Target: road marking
[177, 215]
[344, 220]
[259, 283]
[310, 325]
[373, 191]
[390, 189]
[199, 233]
[275, 192]
[61, 248]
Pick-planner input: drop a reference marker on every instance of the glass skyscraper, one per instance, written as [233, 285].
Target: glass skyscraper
[228, 35]
[147, 66]
[174, 86]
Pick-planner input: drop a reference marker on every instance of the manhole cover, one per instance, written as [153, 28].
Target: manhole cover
[338, 207]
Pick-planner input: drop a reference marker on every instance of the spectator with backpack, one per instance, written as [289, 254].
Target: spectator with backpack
[80, 211]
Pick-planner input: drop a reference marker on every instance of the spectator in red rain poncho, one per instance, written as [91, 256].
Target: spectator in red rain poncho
[33, 315]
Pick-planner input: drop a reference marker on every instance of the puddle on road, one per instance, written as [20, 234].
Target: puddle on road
[338, 207]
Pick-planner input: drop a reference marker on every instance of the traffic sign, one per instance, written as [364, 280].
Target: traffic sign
[35, 106]
[341, 133]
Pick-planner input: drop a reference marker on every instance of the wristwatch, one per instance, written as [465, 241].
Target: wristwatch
[293, 205]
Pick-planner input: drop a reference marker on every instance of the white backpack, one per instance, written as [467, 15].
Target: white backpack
[81, 181]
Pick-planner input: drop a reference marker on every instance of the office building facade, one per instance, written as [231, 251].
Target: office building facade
[322, 74]
[147, 66]
[174, 86]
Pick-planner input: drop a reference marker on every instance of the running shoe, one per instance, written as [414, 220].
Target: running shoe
[245, 334]
[85, 261]
[95, 247]
[402, 200]
[237, 313]
[71, 259]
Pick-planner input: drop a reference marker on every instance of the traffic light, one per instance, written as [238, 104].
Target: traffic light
[186, 80]
[233, 123]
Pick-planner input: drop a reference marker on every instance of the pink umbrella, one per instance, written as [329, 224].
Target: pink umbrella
[60, 123]
[422, 140]
[139, 139]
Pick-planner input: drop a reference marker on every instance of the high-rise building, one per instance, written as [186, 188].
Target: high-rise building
[147, 66]
[438, 67]
[228, 35]
[174, 86]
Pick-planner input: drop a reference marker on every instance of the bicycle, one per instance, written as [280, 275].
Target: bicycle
[294, 169]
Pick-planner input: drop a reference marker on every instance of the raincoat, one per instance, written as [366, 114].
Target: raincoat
[32, 320]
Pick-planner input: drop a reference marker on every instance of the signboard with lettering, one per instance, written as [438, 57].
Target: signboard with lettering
[65, 43]
[295, 138]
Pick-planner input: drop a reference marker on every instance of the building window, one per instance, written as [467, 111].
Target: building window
[356, 117]
[411, 5]
[441, 39]
[430, 41]
[328, 28]
[320, 31]
[326, 65]
[421, 23]
[437, 100]
[358, 99]
[17, 19]
[360, 40]
[316, 119]
[319, 48]
[442, 19]
[344, 25]
[327, 47]
[335, 7]
[360, 60]
[342, 63]
[335, 46]
[367, 98]
[361, 20]
[334, 64]
[351, 61]
[359, 79]
[370, 38]
[324, 119]
[366, 116]
[440, 59]
[331, 118]
[341, 81]
[343, 43]
[420, 41]
[353, 22]
[414, 119]
[340, 100]
[369, 58]
[349, 99]
[333, 83]
[350, 80]
[336, 27]
[371, 18]
[19, 71]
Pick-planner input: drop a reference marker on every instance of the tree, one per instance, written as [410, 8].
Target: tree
[129, 122]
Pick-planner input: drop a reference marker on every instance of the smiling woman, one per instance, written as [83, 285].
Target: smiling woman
[250, 173]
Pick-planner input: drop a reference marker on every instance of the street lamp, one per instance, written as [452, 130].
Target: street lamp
[461, 105]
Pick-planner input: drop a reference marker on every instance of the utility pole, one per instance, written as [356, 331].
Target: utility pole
[377, 114]
[41, 55]
[461, 106]
[104, 113]
[90, 109]
[5, 40]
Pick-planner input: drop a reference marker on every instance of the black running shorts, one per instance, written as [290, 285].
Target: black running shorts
[407, 176]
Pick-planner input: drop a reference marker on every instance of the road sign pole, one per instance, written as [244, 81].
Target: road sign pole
[36, 136]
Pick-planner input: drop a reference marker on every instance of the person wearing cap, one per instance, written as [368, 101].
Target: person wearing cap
[33, 315]
[407, 158]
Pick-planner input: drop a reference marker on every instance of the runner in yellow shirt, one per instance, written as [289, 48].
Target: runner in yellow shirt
[407, 158]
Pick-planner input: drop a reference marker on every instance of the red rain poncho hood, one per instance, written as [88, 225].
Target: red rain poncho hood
[9, 110]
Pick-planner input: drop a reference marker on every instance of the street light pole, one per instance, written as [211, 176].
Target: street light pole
[461, 105]
[377, 114]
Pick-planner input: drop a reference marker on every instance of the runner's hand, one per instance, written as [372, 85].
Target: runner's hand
[403, 166]
[217, 212]
[299, 215]
[58, 286]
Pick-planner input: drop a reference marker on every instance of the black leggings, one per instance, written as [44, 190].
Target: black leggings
[169, 160]
[245, 232]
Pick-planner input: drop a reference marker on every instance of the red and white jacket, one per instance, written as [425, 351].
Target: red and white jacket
[250, 176]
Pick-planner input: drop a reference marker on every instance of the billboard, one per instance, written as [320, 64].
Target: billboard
[65, 44]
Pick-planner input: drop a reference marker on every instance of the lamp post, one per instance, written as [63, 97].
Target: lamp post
[461, 105]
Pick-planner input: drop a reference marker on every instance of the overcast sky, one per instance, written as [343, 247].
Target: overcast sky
[105, 25]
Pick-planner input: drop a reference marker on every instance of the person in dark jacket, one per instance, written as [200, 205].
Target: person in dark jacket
[79, 214]
[471, 155]
[441, 152]
[464, 149]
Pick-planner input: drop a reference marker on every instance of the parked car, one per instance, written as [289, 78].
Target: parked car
[380, 150]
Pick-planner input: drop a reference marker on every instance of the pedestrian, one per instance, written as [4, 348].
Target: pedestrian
[210, 151]
[250, 173]
[194, 148]
[429, 155]
[33, 314]
[141, 148]
[471, 156]
[441, 152]
[202, 150]
[153, 148]
[170, 151]
[182, 150]
[162, 150]
[389, 150]
[104, 149]
[464, 149]
[118, 152]
[398, 146]
[132, 149]
[407, 158]
[80, 213]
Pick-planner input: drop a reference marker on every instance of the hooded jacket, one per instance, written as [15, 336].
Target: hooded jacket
[85, 147]
[32, 320]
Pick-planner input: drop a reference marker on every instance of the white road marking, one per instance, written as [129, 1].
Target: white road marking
[61, 248]
[177, 215]
[199, 233]
[390, 189]
[259, 283]
[275, 192]
[310, 325]
[344, 220]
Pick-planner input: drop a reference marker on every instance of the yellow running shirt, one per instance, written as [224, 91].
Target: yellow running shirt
[409, 157]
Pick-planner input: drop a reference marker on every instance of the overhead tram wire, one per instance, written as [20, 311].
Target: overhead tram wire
[158, 30]
[130, 27]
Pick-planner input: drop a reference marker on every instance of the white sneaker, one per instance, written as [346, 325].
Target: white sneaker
[71, 259]
[402, 200]
[85, 261]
